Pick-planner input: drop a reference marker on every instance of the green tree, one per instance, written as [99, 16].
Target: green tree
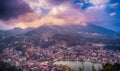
[108, 68]
[80, 69]
[7, 67]
[93, 68]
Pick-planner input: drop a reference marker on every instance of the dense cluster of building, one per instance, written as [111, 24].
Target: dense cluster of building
[25, 54]
[37, 58]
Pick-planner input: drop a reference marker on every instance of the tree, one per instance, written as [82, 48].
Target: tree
[7, 67]
[108, 68]
[80, 69]
[93, 68]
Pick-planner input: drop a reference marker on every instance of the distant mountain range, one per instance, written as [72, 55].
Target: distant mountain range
[15, 31]
[88, 31]
[21, 31]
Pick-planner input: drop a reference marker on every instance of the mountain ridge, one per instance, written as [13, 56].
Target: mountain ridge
[88, 30]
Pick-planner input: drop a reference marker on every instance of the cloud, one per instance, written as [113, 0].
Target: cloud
[99, 2]
[4, 25]
[12, 9]
[62, 14]
[55, 12]
[56, 16]
[58, 2]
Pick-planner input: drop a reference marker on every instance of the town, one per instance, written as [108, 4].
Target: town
[34, 58]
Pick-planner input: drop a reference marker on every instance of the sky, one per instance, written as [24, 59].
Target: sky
[35, 13]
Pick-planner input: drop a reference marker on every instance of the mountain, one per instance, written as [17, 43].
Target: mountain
[113, 26]
[21, 31]
[5, 32]
[15, 31]
[88, 31]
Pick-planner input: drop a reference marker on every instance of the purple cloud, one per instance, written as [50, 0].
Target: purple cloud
[12, 9]
[57, 2]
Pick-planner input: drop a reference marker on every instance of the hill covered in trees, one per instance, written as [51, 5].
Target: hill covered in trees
[7, 67]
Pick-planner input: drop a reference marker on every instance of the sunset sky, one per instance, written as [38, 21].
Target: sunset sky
[34, 13]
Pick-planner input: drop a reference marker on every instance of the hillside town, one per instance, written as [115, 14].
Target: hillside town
[35, 58]
[39, 53]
